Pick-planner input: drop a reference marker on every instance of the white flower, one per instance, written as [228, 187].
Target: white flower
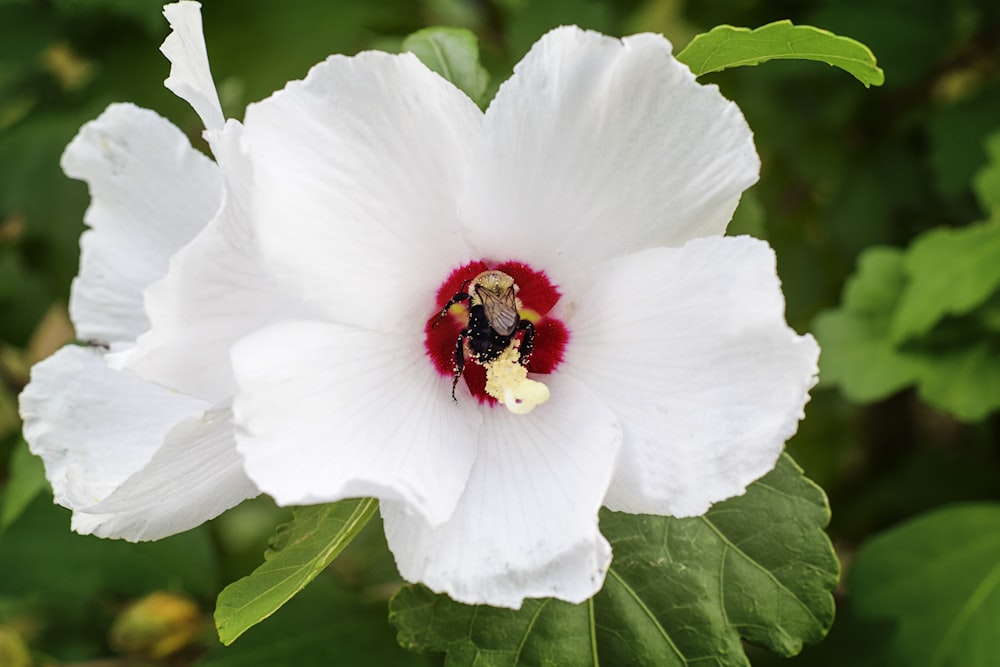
[600, 179]
[139, 441]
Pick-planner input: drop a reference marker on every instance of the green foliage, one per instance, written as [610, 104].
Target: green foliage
[324, 625]
[300, 551]
[66, 587]
[987, 181]
[951, 272]
[938, 579]
[454, 54]
[679, 591]
[857, 354]
[725, 46]
[853, 180]
[899, 323]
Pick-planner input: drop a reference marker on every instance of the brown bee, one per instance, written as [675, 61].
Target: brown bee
[493, 321]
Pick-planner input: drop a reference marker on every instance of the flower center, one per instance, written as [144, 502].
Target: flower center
[491, 327]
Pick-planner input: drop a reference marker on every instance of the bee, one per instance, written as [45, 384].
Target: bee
[494, 322]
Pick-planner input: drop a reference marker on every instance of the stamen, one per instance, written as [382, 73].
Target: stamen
[507, 381]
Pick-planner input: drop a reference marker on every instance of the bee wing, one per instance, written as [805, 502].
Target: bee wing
[501, 311]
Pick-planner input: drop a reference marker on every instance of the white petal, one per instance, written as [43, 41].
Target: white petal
[527, 523]
[151, 193]
[195, 476]
[358, 169]
[94, 426]
[214, 293]
[598, 147]
[327, 412]
[190, 77]
[690, 348]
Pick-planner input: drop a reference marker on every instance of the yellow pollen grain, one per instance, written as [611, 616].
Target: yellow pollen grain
[507, 381]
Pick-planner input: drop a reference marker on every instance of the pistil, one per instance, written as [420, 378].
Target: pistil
[507, 381]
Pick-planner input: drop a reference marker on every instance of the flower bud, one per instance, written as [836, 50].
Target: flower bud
[156, 626]
[13, 651]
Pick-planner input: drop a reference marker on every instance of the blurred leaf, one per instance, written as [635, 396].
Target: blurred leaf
[987, 180]
[951, 271]
[323, 625]
[300, 551]
[856, 353]
[964, 381]
[454, 54]
[25, 480]
[679, 591]
[938, 578]
[955, 364]
[725, 46]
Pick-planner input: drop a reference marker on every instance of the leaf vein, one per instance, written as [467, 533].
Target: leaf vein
[649, 613]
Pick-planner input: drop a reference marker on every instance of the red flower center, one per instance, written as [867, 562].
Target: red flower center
[536, 296]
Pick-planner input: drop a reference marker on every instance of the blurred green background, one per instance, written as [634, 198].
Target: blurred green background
[844, 168]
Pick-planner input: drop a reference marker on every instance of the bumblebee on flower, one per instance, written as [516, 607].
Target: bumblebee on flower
[599, 181]
[578, 222]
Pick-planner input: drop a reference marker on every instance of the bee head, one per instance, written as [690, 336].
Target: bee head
[496, 283]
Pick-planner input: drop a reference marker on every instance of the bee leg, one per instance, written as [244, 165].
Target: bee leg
[459, 362]
[527, 340]
[460, 296]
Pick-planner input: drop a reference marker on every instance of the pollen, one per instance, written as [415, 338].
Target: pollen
[507, 381]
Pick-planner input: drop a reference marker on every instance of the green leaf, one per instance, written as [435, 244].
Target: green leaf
[938, 578]
[726, 46]
[951, 272]
[300, 551]
[987, 180]
[679, 591]
[25, 481]
[454, 54]
[964, 381]
[955, 362]
[323, 625]
[857, 354]
[541, 632]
